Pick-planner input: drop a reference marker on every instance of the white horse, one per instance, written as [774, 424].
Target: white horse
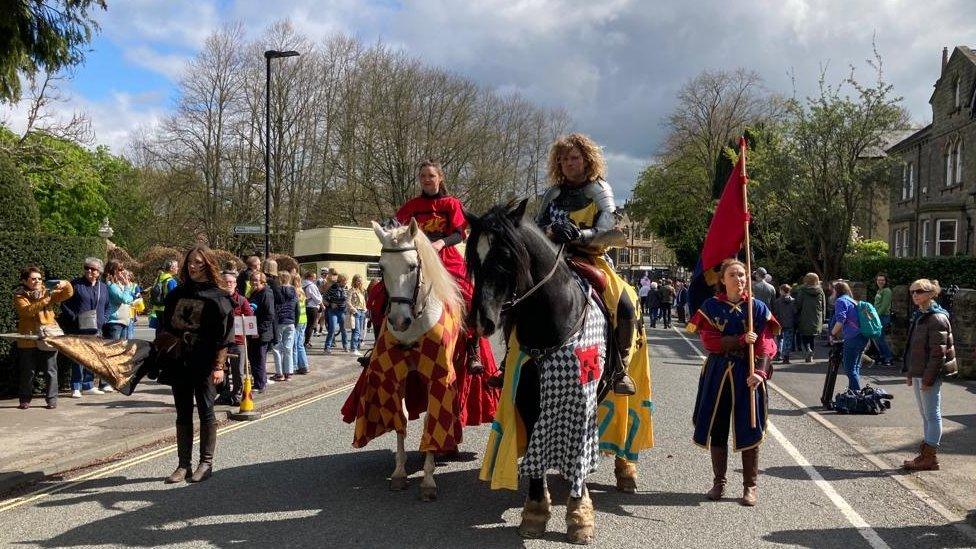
[424, 303]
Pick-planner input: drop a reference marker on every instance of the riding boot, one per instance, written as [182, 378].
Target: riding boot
[750, 472]
[184, 452]
[927, 461]
[720, 464]
[475, 367]
[208, 441]
[624, 331]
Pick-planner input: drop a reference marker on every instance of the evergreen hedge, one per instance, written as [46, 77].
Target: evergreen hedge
[958, 270]
[58, 256]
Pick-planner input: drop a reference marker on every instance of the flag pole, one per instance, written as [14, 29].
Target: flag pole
[752, 347]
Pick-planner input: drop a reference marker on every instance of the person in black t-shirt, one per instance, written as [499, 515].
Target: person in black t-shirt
[196, 330]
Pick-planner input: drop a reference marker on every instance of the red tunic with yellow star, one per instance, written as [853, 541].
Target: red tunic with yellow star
[441, 216]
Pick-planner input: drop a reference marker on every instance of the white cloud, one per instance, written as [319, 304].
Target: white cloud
[614, 65]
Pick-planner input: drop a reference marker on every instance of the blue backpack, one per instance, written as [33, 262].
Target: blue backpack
[869, 322]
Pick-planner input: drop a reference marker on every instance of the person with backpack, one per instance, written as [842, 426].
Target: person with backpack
[929, 356]
[845, 326]
[165, 283]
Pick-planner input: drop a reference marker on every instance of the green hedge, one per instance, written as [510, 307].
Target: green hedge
[58, 256]
[958, 270]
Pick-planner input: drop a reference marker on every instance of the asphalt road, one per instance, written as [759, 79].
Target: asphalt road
[292, 480]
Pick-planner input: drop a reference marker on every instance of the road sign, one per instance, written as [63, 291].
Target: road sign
[248, 229]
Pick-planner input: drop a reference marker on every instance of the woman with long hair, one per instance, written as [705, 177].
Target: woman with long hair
[120, 300]
[357, 313]
[726, 386]
[845, 326]
[440, 216]
[299, 356]
[929, 355]
[196, 329]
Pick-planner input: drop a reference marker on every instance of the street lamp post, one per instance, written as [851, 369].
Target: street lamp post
[268, 56]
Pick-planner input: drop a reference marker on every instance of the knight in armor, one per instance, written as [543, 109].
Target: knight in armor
[579, 211]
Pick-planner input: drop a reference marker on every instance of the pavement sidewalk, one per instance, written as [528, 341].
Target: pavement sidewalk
[40, 442]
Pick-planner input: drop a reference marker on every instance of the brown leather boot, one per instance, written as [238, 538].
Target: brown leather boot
[927, 461]
[750, 472]
[208, 442]
[720, 464]
[184, 452]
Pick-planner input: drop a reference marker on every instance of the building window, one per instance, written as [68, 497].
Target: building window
[907, 181]
[926, 238]
[624, 257]
[956, 93]
[945, 237]
[957, 161]
[900, 247]
[948, 165]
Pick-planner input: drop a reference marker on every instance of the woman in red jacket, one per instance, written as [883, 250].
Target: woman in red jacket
[441, 217]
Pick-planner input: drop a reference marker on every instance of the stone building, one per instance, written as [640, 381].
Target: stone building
[933, 194]
[644, 253]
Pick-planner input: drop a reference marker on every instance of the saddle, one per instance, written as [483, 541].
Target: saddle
[589, 273]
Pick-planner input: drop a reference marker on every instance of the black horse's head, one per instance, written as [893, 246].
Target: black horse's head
[499, 258]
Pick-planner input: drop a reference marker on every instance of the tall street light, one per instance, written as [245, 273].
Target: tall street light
[268, 56]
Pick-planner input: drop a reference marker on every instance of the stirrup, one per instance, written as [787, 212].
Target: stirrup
[625, 386]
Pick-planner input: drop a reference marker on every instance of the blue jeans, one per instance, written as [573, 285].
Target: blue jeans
[299, 358]
[785, 342]
[285, 352]
[358, 328]
[81, 379]
[335, 318]
[853, 348]
[881, 342]
[930, 406]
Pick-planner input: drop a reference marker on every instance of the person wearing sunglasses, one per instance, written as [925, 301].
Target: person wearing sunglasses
[85, 313]
[34, 304]
[929, 355]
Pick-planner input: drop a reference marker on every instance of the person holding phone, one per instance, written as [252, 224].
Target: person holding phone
[33, 301]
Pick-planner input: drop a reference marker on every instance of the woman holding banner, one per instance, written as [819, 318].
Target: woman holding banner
[727, 382]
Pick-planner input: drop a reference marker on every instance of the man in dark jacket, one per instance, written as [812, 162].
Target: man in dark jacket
[258, 346]
[252, 263]
[85, 314]
[681, 301]
[667, 293]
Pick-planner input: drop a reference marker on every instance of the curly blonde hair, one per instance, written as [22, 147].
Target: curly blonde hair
[596, 167]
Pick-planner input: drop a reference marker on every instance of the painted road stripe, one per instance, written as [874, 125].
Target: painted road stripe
[852, 516]
[136, 460]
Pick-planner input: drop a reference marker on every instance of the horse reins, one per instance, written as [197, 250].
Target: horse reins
[411, 301]
[512, 303]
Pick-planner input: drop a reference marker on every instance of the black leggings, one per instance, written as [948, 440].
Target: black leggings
[184, 392]
[723, 418]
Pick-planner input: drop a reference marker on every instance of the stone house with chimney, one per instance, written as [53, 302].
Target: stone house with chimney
[933, 191]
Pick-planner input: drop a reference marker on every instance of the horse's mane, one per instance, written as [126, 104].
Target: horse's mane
[442, 284]
[497, 222]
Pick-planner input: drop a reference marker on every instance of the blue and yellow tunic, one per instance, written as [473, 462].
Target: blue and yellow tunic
[723, 371]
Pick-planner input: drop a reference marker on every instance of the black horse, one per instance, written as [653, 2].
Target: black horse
[522, 283]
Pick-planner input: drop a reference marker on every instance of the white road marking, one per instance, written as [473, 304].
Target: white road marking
[852, 516]
[31, 497]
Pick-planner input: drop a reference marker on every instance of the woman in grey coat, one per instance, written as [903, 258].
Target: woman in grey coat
[810, 305]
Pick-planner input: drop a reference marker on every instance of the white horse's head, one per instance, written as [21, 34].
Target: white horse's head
[413, 273]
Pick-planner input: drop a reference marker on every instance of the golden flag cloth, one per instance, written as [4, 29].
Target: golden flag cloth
[114, 361]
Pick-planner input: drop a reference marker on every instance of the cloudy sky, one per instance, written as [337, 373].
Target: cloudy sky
[615, 65]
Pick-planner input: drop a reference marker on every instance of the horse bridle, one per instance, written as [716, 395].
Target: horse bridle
[516, 299]
[411, 301]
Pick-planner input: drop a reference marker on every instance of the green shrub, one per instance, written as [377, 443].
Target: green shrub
[58, 256]
[19, 211]
[959, 270]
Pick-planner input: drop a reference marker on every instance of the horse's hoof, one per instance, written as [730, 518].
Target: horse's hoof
[428, 493]
[535, 516]
[627, 485]
[580, 522]
[398, 484]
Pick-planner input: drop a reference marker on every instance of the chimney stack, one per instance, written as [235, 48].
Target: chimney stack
[945, 58]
